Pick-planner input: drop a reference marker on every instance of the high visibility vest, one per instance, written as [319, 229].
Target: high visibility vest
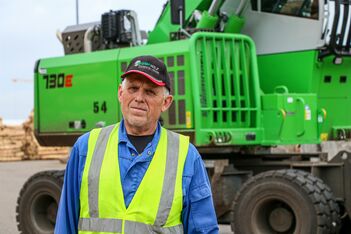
[157, 204]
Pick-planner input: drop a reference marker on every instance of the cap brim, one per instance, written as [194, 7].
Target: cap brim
[152, 79]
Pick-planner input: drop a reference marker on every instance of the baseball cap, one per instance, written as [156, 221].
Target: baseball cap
[150, 67]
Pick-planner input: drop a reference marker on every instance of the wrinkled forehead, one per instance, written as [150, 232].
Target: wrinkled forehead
[138, 79]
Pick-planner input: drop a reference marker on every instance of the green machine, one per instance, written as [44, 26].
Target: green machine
[255, 83]
[217, 101]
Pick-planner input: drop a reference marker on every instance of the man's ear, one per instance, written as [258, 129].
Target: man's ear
[120, 92]
[167, 103]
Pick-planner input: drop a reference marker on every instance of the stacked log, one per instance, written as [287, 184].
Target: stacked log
[11, 142]
[18, 143]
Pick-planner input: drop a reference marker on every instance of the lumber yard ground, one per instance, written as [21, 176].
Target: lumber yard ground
[12, 177]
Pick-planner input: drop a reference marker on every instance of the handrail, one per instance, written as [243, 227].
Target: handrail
[336, 45]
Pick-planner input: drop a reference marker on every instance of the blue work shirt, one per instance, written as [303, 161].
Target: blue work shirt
[198, 214]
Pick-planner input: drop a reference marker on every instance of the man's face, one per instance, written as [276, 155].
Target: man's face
[142, 103]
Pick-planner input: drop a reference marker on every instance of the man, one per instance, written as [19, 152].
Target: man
[135, 176]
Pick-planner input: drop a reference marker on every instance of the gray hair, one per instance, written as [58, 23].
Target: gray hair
[165, 90]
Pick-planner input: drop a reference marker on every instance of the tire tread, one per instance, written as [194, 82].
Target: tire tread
[56, 175]
[320, 195]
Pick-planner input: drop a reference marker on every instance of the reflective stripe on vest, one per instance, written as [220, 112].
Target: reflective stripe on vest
[115, 226]
[102, 201]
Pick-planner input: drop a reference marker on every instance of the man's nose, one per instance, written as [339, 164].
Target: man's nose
[139, 96]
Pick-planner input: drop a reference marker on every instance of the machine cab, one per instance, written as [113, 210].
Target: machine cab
[279, 26]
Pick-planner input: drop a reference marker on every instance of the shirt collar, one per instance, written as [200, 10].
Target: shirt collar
[123, 138]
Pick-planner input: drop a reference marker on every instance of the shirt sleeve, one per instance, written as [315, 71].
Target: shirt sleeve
[68, 212]
[198, 214]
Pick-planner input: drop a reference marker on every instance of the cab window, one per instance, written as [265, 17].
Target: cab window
[299, 8]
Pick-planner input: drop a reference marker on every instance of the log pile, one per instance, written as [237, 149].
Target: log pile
[11, 138]
[18, 143]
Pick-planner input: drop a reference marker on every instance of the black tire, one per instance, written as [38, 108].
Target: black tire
[38, 202]
[285, 201]
[334, 209]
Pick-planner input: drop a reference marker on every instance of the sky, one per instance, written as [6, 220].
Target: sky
[28, 33]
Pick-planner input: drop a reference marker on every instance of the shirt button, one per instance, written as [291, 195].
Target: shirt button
[149, 152]
[133, 154]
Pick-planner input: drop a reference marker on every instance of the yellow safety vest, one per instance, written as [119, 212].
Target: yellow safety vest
[157, 204]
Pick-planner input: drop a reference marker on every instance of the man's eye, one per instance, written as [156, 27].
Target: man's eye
[133, 89]
[150, 92]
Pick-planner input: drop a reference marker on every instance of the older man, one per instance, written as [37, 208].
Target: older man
[135, 176]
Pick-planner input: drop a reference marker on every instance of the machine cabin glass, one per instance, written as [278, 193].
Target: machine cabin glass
[299, 8]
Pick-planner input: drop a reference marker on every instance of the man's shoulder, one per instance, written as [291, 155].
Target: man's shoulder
[81, 145]
[192, 149]
[193, 153]
[83, 138]
[193, 163]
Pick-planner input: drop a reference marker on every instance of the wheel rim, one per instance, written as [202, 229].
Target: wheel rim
[43, 212]
[273, 215]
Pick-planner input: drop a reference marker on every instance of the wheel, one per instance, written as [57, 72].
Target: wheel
[335, 219]
[38, 202]
[285, 201]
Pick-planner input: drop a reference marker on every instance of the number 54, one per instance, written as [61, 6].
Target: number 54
[97, 107]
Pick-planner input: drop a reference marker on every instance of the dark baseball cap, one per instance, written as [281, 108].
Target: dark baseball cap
[150, 67]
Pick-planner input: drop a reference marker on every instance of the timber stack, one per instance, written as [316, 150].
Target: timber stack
[11, 138]
[18, 143]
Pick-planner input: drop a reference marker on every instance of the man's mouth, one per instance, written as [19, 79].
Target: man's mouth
[138, 109]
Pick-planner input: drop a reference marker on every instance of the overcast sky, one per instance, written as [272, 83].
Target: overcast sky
[28, 32]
